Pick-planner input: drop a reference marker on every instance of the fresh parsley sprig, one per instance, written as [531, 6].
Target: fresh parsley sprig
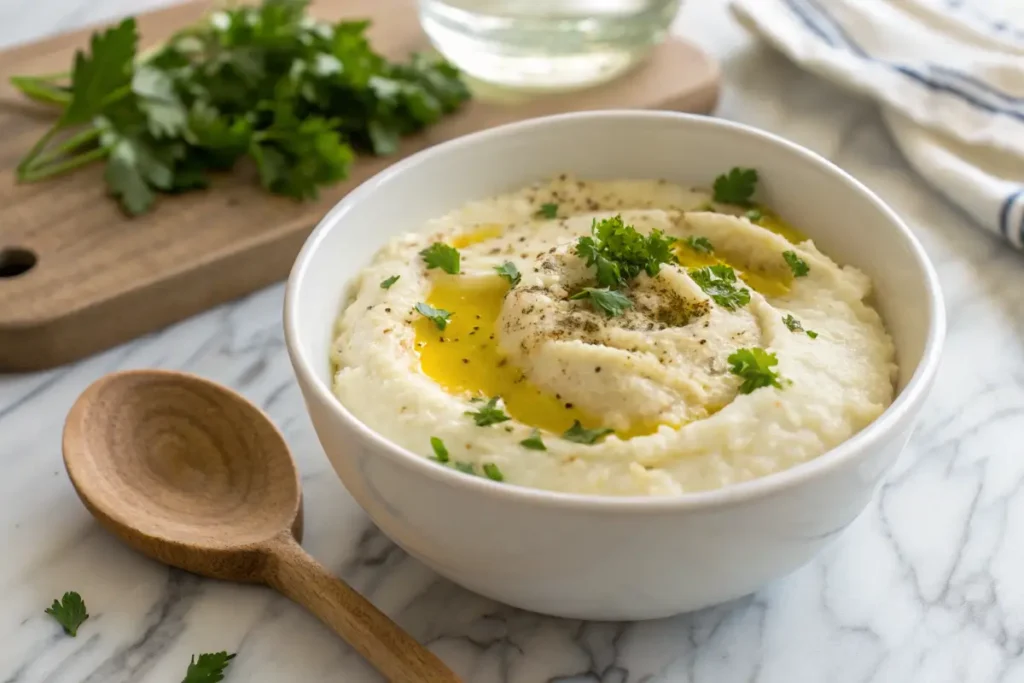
[613, 303]
[534, 441]
[443, 256]
[387, 282]
[754, 365]
[581, 434]
[701, 245]
[509, 271]
[796, 264]
[795, 325]
[488, 414]
[295, 95]
[720, 283]
[547, 210]
[619, 253]
[208, 667]
[438, 316]
[69, 612]
[736, 187]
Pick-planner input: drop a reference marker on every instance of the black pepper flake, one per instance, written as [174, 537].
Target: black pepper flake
[568, 405]
[440, 339]
[503, 362]
[387, 310]
[465, 360]
[703, 341]
[597, 369]
[558, 397]
[478, 317]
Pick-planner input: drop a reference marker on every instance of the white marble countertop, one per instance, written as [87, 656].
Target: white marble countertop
[926, 587]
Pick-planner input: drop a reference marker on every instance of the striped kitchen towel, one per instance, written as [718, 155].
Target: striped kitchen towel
[949, 79]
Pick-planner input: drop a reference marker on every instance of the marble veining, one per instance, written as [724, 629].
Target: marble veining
[926, 587]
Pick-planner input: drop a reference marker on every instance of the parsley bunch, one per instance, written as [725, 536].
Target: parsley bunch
[268, 83]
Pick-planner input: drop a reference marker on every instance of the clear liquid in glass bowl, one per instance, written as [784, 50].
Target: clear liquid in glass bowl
[546, 44]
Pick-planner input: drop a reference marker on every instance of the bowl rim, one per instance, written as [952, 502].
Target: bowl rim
[871, 436]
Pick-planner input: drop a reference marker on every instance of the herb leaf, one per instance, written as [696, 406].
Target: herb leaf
[492, 472]
[102, 73]
[580, 434]
[618, 252]
[438, 316]
[440, 451]
[736, 187]
[547, 210]
[465, 467]
[488, 414]
[69, 612]
[208, 668]
[795, 325]
[701, 245]
[719, 282]
[533, 441]
[509, 271]
[386, 283]
[613, 303]
[754, 365]
[443, 256]
[796, 264]
[754, 215]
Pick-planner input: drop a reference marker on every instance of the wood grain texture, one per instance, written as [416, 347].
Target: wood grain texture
[102, 279]
[191, 474]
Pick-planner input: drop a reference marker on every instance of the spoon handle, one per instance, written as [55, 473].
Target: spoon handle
[392, 651]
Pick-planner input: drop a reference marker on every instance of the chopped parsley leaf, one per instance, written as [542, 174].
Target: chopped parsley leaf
[547, 210]
[754, 365]
[795, 325]
[701, 245]
[488, 414]
[438, 316]
[719, 282]
[580, 434]
[440, 451]
[613, 303]
[386, 284]
[533, 442]
[492, 472]
[465, 467]
[509, 271]
[208, 667]
[796, 264]
[754, 215]
[69, 612]
[443, 256]
[736, 187]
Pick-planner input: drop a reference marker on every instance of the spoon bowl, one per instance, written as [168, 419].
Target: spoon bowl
[193, 475]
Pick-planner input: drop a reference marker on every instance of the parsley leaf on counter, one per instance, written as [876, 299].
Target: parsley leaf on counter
[795, 325]
[69, 612]
[488, 414]
[701, 245]
[736, 187]
[796, 264]
[613, 303]
[295, 94]
[208, 668]
[580, 434]
[509, 271]
[438, 316]
[440, 451]
[547, 210]
[533, 441]
[386, 284]
[492, 472]
[719, 282]
[443, 256]
[754, 365]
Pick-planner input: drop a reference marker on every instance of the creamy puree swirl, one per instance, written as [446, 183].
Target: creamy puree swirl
[657, 380]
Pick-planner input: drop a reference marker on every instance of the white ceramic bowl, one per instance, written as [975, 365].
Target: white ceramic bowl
[597, 557]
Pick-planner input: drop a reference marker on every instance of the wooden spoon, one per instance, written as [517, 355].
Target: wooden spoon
[193, 475]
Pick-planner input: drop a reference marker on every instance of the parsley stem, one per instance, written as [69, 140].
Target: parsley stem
[37, 148]
[42, 91]
[39, 172]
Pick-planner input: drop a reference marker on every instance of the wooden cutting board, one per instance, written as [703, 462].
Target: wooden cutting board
[77, 276]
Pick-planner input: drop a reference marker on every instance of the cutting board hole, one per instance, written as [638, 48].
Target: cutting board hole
[15, 261]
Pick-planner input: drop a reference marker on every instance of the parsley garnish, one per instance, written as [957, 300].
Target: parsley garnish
[579, 434]
[618, 252]
[465, 467]
[69, 612]
[547, 210]
[795, 325]
[533, 442]
[754, 365]
[208, 668]
[488, 414]
[438, 316]
[295, 95]
[492, 472]
[701, 245]
[796, 264]
[443, 256]
[509, 271]
[613, 303]
[754, 215]
[736, 187]
[719, 282]
[386, 284]
[440, 451]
